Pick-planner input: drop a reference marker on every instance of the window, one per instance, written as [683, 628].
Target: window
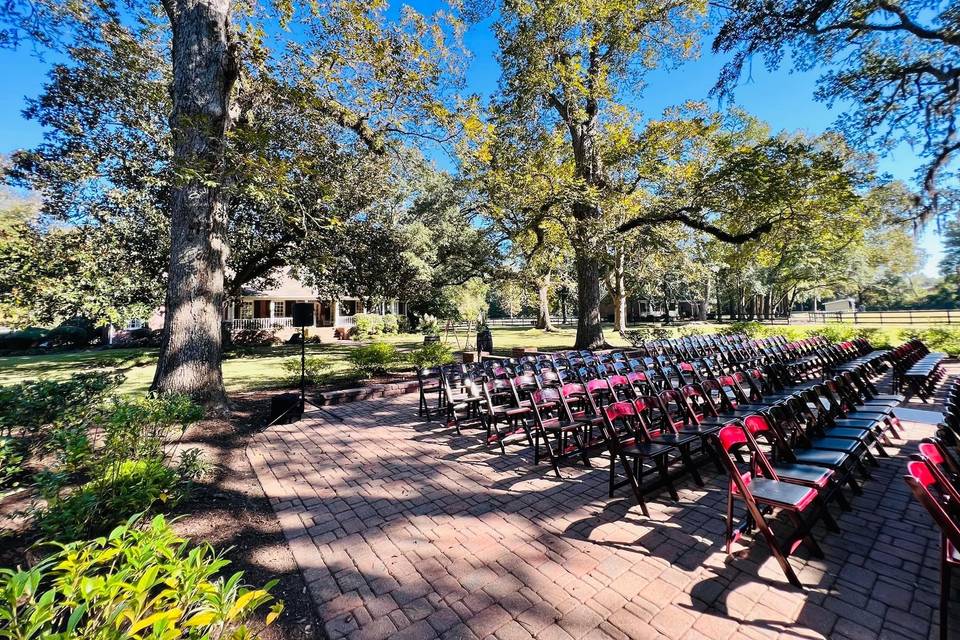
[246, 309]
[134, 323]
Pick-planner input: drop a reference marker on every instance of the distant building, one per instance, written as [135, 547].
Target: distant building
[843, 305]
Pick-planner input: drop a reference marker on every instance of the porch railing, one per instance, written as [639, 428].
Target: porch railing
[346, 321]
[240, 324]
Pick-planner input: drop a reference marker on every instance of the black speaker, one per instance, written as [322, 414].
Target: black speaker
[303, 314]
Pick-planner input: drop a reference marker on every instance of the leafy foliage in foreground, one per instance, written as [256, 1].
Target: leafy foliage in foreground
[135, 583]
[130, 469]
[373, 359]
[33, 404]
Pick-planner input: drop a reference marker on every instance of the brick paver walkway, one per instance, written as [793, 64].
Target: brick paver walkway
[404, 530]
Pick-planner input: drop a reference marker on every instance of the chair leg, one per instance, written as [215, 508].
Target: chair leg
[944, 594]
[613, 474]
[634, 478]
[664, 471]
[688, 463]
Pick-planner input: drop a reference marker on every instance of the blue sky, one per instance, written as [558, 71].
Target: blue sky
[782, 98]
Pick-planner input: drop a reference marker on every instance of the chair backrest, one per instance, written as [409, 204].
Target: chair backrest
[699, 404]
[675, 404]
[934, 450]
[924, 484]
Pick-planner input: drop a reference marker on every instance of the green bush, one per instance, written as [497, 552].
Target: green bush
[69, 335]
[132, 486]
[130, 470]
[13, 451]
[366, 325]
[945, 339]
[390, 323]
[432, 354]
[373, 359]
[28, 406]
[316, 369]
[135, 583]
[429, 325]
[637, 337]
[23, 339]
[254, 338]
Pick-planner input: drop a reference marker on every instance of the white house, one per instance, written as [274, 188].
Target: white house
[273, 308]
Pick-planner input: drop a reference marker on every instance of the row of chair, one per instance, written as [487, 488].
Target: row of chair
[933, 475]
[815, 432]
[916, 371]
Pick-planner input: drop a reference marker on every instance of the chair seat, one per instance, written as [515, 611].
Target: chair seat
[646, 449]
[674, 439]
[555, 424]
[836, 444]
[510, 411]
[821, 457]
[894, 397]
[782, 494]
[848, 432]
[866, 415]
[804, 474]
[701, 429]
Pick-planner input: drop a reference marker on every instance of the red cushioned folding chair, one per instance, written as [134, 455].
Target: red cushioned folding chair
[762, 496]
[665, 414]
[505, 416]
[936, 452]
[825, 480]
[554, 426]
[935, 495]
[631, 445]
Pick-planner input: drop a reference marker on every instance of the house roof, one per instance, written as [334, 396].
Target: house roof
[287, 287]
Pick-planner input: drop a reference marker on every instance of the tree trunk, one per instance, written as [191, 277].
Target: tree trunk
[706, 300]
[618, 292]
[589, 326]
[543, 306]
[204, 71]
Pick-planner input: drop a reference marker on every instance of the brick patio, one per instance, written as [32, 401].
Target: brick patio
[405, 530]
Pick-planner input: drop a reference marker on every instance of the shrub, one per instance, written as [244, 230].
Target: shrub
[129, 487]
[373, 359]
[835, 332]
[429, 325]
[32, 404]
[431, 355]
[13, 451]
[23, 339]
[403, 324]
[255, 338]
[68, 335]
[316, 369]
[134, 583]
[946, 339]
[637, 337]
[367, 325]
[130, 470]
[390, 323]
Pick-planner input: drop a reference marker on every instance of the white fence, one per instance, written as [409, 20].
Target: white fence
[240, 324]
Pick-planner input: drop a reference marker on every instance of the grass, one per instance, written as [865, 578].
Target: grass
[260, 368]
[263, 368]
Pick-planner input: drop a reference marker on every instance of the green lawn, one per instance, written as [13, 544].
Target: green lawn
[262, 369]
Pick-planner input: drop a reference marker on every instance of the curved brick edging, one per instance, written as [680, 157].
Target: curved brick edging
[372, 391]
[404, 530]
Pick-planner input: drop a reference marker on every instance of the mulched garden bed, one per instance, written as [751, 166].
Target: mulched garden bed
[228, 509]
